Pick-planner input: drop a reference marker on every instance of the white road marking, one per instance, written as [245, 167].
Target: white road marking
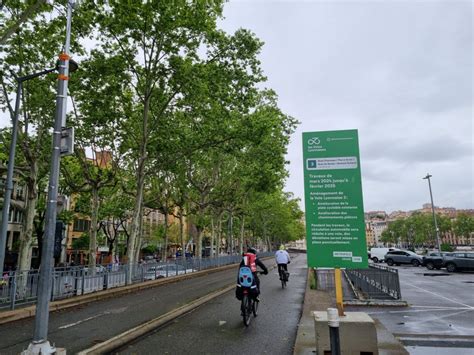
[425, 310]
[434, 319]
[113, 311]
[80, 321]
[441, 296]
[435, 307]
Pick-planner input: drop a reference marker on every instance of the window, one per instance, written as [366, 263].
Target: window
[81, 225]
[19, 193]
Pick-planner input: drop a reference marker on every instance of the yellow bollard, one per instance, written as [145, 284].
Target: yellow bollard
[338, 284]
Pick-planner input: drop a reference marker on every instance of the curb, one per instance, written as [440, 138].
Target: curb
[142, 329]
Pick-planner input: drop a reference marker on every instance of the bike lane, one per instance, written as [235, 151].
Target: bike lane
[217, 327]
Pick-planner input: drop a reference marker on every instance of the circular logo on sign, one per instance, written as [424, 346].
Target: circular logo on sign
[313, 141]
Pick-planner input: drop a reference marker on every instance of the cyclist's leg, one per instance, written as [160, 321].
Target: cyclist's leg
[257, 282]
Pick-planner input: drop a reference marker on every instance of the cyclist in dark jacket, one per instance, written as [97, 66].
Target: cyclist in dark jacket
[254, 262]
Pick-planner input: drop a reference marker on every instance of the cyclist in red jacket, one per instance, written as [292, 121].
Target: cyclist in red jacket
[251, 260]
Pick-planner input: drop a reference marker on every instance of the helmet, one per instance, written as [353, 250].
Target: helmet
[282, 247]
[251, 250]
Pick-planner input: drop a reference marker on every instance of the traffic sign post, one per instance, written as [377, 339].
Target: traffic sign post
[335, 228]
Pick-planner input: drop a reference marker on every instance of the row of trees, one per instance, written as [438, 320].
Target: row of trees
[418, 229]
[173, 110]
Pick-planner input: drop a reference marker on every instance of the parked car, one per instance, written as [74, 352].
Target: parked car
[377, 255]
[398, 257]
[459, 262]
[160, 271]
[435, 260]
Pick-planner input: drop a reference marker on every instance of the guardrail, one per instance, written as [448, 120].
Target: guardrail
[376, 282]
[21, 287]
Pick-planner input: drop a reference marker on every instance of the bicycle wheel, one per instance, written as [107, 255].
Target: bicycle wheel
[283, 283]
[246, 310]
[255, 307]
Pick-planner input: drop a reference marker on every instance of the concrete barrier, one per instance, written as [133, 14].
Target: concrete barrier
[356, 331]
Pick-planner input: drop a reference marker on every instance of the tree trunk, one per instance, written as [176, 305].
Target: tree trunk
[231, 236]
[181, 236]
[26, 239]
[138, 245]
[219, 234]
[213, 236]
[199, 242]
[165, 249]
[93, 229]
[242, 229]
[140, 174]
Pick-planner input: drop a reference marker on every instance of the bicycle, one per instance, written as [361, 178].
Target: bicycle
[249, 305]
[283, 276]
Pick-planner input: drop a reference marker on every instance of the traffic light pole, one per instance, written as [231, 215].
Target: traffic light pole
[40, 344]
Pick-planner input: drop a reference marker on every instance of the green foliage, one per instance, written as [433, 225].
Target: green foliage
[417, 229]
[447, 247]
[81, 243]
[149, 249]
[463, 225]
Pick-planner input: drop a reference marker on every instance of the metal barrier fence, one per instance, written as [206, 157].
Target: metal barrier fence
[376, 282]
[21, 287]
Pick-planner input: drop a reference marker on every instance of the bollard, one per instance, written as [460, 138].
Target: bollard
[333, 322]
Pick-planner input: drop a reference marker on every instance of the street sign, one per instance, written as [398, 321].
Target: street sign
[335, 227]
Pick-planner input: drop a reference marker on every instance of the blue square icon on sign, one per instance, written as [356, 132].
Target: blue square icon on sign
[312, 164]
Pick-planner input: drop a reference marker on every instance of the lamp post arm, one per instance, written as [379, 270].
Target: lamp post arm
[35, 75]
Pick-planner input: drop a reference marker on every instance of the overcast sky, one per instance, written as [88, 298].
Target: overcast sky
[400, 72]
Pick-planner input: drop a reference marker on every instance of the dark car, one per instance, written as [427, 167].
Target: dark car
[398, 257]
[459, 262]
[435, 260]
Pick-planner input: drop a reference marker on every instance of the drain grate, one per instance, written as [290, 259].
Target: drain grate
[468, 282]
[438, 274]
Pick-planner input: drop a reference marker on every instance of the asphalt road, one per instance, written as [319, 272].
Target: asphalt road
[441, 312]
[217, 327]
[84, 326]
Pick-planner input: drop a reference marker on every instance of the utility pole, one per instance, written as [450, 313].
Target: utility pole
[11, 163]
[427, 177]
[40, 343]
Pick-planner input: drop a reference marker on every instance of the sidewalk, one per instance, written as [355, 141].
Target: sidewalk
[318, 300]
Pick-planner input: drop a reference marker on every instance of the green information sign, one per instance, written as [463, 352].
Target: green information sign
[335, 227]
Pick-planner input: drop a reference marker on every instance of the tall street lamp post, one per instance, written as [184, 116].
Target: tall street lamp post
[11, 163]
[427, 177]
[40, 344]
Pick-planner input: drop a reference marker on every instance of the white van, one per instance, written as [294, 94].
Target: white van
[378, 254]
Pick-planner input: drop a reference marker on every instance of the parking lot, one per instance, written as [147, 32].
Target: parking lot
[441, 311]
